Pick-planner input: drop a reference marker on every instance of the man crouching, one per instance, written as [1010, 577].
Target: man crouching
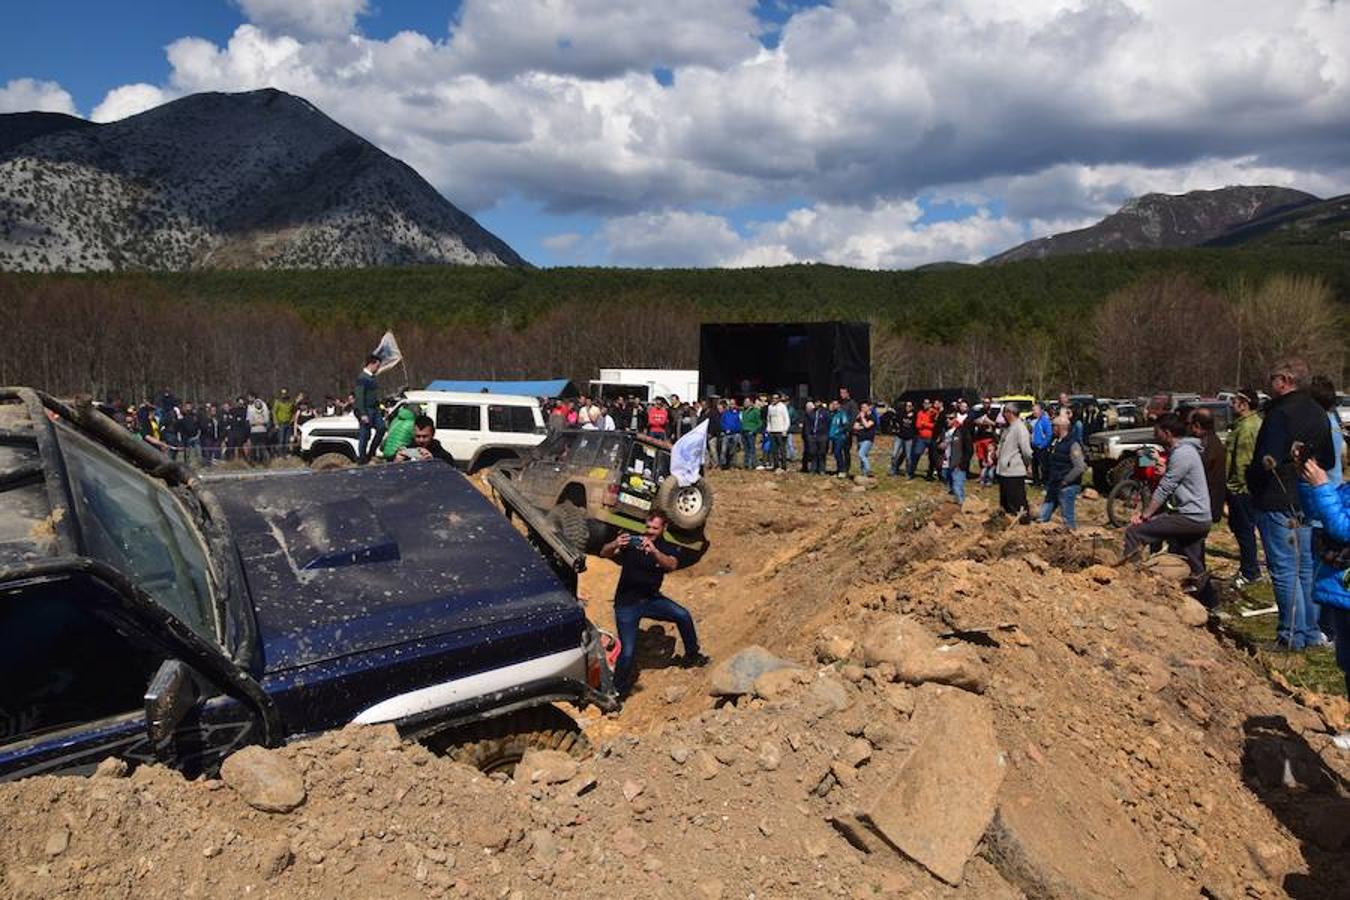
[644, 561]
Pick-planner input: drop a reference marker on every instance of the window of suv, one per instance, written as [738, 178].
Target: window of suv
[514, 419]
[135, 523]
[63, 665]
[584, 447]
[458, 417]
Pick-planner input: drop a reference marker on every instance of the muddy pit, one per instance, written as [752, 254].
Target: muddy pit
[970, 710]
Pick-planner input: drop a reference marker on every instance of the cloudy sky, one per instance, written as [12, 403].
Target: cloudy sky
[869, 133]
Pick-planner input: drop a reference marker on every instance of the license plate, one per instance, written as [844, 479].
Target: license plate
[635, 501]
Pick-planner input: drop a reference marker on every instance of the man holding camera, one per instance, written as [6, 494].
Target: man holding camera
[644, 560]
[1295, 429]
[424, 445]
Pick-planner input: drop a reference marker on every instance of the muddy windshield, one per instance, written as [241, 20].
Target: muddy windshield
[136, 524]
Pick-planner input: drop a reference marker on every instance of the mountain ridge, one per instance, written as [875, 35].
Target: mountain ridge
[1157, 221]
[261, 179]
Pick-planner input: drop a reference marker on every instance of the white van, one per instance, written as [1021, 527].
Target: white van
[477, 430]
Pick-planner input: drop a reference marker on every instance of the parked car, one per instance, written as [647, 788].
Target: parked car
[1023, 401]
[1111, 454]
[1167, 401]
[592, 484]
[477, 430]
[154, 615]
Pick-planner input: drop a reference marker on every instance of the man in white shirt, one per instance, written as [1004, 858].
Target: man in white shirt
[777, 426]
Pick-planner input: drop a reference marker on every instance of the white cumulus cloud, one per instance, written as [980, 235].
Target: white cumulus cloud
[885, 236]
[1037, 113]
[31, 95]
[128, 100]
[305, 18]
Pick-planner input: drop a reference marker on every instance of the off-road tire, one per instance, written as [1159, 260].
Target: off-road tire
[327, 461]
[1125, 499]
[569, 520]
[497, 745]
[686, 508]
[598, 535]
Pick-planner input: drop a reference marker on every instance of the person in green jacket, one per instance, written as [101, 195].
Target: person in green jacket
[752, 425]
[1241, 447]
[400, 431]
[283, 416]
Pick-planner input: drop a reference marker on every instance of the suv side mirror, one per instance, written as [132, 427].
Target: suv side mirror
[170, 697]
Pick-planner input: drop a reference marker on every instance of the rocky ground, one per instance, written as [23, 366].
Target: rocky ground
[909, 700]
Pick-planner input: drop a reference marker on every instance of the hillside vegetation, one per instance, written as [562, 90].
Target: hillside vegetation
[1030, 323]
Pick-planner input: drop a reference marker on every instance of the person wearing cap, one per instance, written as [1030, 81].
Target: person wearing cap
[1241, 446]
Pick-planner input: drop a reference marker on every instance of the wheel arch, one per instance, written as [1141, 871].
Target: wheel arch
[487, 456]
[574, 493]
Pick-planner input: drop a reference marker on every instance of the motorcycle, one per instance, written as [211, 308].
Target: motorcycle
[1131, 494]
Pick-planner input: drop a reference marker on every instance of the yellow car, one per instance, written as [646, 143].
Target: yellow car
[1023, 402]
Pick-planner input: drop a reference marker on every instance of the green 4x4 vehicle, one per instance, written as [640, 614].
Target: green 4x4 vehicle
[591, 484]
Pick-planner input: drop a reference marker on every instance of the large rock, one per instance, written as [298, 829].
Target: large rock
[546, 767]
[917, 657]
[736, 675]
[1059, 834]
[941, 799]
[264, 779]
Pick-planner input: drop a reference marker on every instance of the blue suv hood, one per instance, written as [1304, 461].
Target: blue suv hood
[362, 559]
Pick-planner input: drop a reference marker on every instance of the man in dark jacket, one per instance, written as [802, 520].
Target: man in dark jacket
[1215, 458]
[213, 433]
[816, 435]
[424, 445]
[236, 430]
[366, 408]
[644, 561]
[1295, 428]
[190, 433]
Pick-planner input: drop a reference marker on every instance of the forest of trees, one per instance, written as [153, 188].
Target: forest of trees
[1118, 324]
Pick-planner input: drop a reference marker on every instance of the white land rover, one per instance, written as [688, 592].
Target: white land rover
[477, 430]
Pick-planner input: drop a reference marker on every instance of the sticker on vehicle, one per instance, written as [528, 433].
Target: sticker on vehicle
[635, 501]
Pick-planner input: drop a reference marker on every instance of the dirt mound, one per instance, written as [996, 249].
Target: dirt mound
[977, 710]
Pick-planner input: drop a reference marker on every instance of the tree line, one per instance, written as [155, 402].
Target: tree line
[1120, 323]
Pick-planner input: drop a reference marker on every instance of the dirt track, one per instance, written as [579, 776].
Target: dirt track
[1140, 753]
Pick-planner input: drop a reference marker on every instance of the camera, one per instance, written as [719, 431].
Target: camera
[635, 541]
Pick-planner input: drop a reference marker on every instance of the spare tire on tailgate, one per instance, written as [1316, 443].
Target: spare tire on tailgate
[687, 508]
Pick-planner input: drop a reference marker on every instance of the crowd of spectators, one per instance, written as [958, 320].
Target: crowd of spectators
[1277, 475]
[250, 428]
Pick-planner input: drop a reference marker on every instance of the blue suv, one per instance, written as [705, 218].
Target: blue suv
[149, 613]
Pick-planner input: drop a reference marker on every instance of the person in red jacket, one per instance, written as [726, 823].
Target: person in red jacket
[658, 417]
[923, 428]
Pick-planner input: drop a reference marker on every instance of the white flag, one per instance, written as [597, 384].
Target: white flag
[388, 353]
[686, 457]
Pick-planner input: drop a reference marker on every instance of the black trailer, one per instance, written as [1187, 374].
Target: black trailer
[799, 359]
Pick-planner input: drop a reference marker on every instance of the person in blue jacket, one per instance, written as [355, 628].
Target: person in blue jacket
[1042, 436]
[1330, 504]
[840, 423]
[731, 434]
